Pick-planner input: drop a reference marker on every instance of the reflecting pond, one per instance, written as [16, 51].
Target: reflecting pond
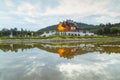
[65, 61]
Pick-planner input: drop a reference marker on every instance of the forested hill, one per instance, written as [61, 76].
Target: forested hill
[82, 26]
[49, 28]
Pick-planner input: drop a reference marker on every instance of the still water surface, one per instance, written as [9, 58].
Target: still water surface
[36, 61]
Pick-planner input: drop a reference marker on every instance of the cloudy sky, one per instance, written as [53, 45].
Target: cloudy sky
[37, 14]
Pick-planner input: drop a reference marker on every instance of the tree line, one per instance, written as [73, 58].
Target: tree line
[108, 29]
[15, 32]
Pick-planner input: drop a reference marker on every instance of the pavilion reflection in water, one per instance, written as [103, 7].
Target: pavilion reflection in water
[67, 52]
[64, 50]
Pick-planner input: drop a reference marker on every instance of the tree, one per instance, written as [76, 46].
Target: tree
[106, 30]
[100, 31]
[5, 32]
[114, 30]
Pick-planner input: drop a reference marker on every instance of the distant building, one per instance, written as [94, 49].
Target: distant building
[50, 33]
[67, 27]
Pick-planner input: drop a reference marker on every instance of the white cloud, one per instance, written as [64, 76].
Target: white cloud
[9, 3]
[27, 9]
[106, 19]
[25, 6]
[65, 7]
[29, 20]
[82, 7]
